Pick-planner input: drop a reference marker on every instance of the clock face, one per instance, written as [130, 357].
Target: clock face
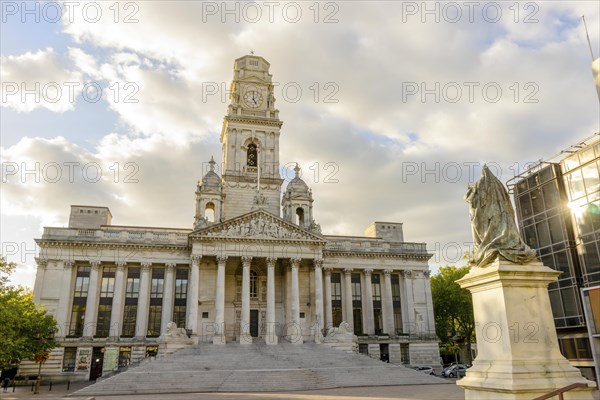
[253, 98]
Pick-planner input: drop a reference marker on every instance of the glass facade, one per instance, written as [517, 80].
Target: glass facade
[546, 225]
[558, 211]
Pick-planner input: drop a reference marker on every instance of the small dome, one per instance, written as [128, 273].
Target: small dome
[297, 185]
[211, 179]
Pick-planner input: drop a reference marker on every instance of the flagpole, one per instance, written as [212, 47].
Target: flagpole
[258, 163]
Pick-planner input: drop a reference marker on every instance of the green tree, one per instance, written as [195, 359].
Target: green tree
[453, 309]
[24, 329]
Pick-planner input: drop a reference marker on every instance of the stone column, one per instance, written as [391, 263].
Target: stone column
[271, 337]
[319, 300]
[39, 278]
[368, 302]
[408, 317]
[65, 297]
[143, 307]
[219, 336]
[116, 313]
[429, 299]
[168, 297]
[388, 304]
[328, 307]
[245, 337]
[348, 309]
[296, 338]
[93, 298]
[192, 295]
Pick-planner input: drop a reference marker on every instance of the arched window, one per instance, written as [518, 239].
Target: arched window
[209, 212]
[300, 216]
[253, 284]
[252, 155]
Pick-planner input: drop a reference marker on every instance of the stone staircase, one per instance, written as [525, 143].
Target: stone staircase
[256, 368]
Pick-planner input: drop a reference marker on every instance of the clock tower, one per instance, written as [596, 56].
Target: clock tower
[250, 141]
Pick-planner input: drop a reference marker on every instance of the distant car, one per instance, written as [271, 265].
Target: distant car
[427, 370]
[451, 371]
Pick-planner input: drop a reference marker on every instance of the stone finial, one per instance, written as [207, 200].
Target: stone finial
[212, 164]
[297, 170]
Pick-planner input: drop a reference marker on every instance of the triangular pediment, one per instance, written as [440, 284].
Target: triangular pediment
[257, 224]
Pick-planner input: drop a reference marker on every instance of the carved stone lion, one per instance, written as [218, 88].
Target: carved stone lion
[174, 331]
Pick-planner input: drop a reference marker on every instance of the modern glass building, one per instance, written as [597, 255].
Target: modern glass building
[558, 211]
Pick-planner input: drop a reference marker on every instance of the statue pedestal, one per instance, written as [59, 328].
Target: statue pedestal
[518, 354]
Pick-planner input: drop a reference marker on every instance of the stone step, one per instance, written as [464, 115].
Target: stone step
[256, 368]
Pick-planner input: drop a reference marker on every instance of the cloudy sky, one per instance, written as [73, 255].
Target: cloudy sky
[391, 108]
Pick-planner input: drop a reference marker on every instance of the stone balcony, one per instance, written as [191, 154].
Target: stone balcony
[119, 234]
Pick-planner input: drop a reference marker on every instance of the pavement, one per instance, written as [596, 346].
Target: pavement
[405, 392]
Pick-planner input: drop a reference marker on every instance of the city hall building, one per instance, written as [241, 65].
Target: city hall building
[255, 268]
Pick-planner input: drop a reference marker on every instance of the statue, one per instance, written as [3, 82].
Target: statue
[175, 332]
[493, 225]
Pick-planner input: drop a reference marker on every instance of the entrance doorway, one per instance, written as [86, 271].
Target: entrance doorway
[97, 362]
[254, 323]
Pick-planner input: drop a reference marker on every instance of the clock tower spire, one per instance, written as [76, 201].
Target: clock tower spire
[250, 135]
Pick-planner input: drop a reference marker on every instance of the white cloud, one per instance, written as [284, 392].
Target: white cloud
[372, 134]
[40, 79]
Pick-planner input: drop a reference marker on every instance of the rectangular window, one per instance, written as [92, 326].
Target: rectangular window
[395, 288]
[69, 359]
[376, 287]
[377, 316]
[124, 357]
[77, 320]
[357, 319]
[129, 318]
[107, 286]
[355, 281]
[179, 316]
[103, 326]
[154, 317]
[404, 353]
[157, 288]
[82, 285]
[181, 284]
[132, 289]
[336, 291]
[398, 319]
[337, 316]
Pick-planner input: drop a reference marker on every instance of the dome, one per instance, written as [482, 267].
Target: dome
[297, 185]
[211, 179]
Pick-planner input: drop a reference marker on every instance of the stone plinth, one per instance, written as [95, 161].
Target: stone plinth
[518, 354]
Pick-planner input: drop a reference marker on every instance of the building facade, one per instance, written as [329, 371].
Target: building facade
[254, 268]
[558, 210]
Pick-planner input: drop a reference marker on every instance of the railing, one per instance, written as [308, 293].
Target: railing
[559, 392]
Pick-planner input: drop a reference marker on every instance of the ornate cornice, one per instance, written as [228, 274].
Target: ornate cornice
[111, 245]
[254, 120]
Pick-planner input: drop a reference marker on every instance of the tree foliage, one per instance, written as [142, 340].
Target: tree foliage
[453, 308]
[24, 329]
